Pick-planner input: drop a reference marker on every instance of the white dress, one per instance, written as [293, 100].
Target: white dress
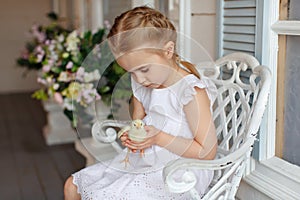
[142, 179]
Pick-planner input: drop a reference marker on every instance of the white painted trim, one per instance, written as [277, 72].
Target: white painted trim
[275, 178]
[185, 22]
[286, 27]
[269, 58]
[219, 28]
[259, 29]
[283, 168]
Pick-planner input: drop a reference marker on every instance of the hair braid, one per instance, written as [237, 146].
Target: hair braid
[141, 17]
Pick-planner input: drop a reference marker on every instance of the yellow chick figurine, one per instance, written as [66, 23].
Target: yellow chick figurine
[136, 132]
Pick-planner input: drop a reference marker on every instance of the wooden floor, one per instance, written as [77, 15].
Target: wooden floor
[29, 169]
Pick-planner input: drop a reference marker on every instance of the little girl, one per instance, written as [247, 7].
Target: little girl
[173, 101]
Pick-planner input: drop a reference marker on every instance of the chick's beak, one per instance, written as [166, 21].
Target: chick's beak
[138, 125]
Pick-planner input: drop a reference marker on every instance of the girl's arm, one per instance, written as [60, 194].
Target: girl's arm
[204, 144]
[138, 109]
[199, 117]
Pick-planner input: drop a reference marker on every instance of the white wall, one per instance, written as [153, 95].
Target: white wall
[203, 26]
[112, 9]
[16, 18]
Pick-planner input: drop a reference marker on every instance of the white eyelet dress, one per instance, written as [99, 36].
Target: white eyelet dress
[142, 179]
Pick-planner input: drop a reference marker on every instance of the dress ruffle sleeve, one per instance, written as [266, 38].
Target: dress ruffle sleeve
[205, 83]
[137, 90]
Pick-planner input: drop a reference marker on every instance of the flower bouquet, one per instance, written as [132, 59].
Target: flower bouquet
[65, 73]
[32, 54]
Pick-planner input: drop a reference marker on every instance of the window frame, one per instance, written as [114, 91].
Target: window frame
[271, 175]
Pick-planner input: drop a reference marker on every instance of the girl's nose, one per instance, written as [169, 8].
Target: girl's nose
[140, 78]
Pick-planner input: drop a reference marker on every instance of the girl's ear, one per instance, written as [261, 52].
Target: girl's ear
[169, 49]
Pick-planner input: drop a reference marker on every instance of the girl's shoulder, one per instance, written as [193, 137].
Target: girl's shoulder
[191, 81]
[189, 84]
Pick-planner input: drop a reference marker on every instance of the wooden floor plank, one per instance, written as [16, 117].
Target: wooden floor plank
[29, 182]
[64, 162]
[9, 181]
[25, 144]
[77, 159]
[49, 176]
[29, 168]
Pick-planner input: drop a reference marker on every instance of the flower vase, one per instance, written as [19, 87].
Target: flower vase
[58, 129]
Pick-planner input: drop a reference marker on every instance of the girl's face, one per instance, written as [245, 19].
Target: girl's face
[149, 69]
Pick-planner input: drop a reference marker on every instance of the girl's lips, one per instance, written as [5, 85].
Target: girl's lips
[147, 84]
[152, 85]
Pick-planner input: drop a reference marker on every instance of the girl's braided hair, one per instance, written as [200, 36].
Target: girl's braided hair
[158, 28]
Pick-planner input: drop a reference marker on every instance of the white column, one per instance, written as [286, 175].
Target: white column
[97, 14]
[80, 15]
[55, 6]
[150, 3]
[269, 58]
[185, 29]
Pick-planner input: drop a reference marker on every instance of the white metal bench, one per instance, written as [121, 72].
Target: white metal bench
[243, 88]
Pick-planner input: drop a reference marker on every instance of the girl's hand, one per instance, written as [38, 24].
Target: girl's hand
[151, 139]
[124, 139]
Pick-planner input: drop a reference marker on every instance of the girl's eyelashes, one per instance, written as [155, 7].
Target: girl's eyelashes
[144, 70]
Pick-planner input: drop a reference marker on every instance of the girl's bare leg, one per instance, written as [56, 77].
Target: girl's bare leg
[70, 190]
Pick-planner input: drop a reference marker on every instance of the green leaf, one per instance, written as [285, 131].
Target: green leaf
[98, 36]
[56, 70]
[87, 35]
[104, 89]
[72, 117]
[40, 95]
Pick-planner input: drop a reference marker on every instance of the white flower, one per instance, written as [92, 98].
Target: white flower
[89, 94]
[65, 55]
[42, 81]
[46, 68]
[88, 77]
[53, 56]
[59, 46]
[61, 38]
[40, 36]
[92, 76]
[80, 74]
[69, 65]
[49, 80]
[39, 58]
[96, 74]
[55, 86]
[63, 77]
[72, 41]
[68, 104]
[39, 53]
[107, 24]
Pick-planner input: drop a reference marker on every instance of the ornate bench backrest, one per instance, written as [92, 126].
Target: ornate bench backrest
[238, 78]
[243, 87]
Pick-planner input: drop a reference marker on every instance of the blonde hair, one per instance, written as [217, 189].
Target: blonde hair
[138, 18]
